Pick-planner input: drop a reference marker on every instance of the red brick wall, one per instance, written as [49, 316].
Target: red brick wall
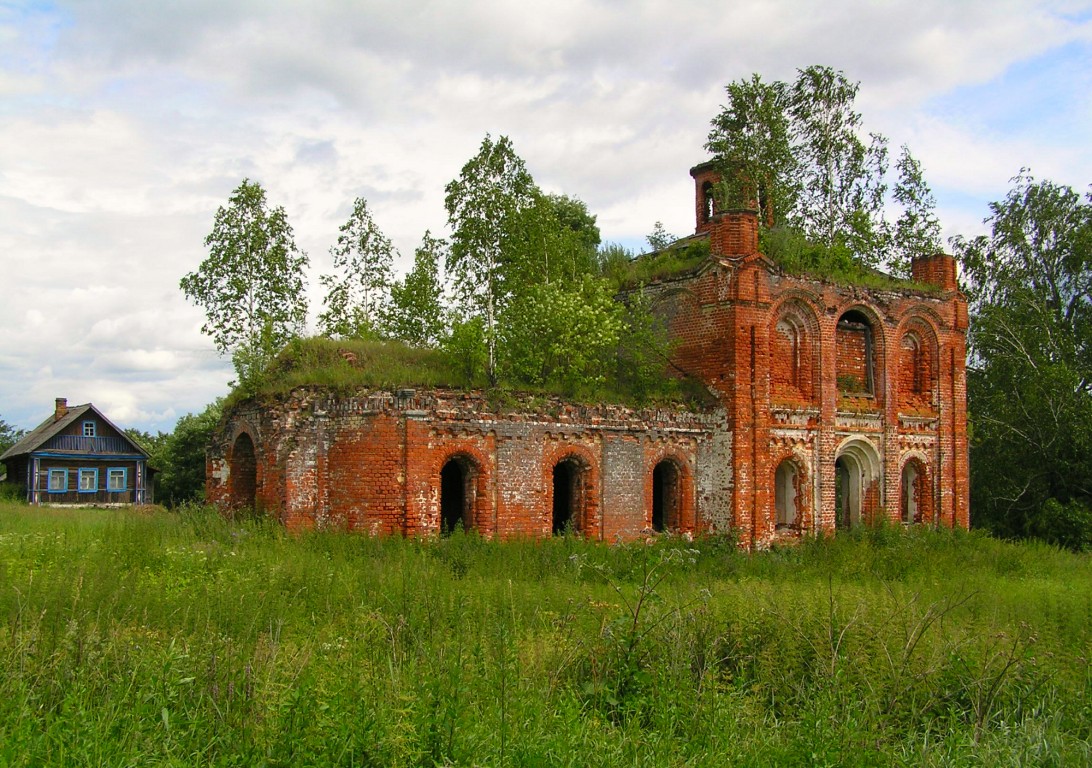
[769, 348]
[373, 462]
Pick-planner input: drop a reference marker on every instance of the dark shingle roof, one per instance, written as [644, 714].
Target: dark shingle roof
[38, 436]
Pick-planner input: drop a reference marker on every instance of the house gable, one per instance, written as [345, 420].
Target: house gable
[78, 456]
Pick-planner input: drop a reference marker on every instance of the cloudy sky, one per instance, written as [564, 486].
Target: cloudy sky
[125, 123]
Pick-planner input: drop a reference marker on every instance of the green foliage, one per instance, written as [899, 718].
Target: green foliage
[251, 285]
[416, 313]
[465, 347]
[917, 230]
[9, 436]
[797, 152]
[356, 295]
[572, 214]
[148, 638]
[643, 354]
[180, 457]
[841, 180]
[1030, 374]
[659, 238]
[563, 336]
[346, 365]
[793, 252]
[679, 258]
[1066, 525]
[612, 261]
[750, 138]
[483, 206]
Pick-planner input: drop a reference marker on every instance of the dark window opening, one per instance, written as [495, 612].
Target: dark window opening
[243, 473]
[665, 497]
[911, 490]
[566, 500]
[454, 499]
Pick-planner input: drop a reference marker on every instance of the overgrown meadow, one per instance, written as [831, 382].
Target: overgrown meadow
[155, 638]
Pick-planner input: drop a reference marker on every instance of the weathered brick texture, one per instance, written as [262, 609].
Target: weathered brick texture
[373, 463]
[835, 404]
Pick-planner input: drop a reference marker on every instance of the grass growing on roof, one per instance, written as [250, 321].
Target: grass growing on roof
[346, 365]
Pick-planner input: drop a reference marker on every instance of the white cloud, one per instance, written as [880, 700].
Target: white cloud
[124, 124]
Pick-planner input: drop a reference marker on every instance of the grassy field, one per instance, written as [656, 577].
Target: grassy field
[150, 638]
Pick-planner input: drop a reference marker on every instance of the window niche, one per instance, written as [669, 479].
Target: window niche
[786, 497]
[856, 362]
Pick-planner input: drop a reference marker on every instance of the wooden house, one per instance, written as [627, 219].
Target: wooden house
[79, 457]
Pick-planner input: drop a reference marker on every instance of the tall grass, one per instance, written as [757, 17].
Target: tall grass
[141, 637]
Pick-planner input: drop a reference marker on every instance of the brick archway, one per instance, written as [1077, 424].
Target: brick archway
[670, 494]
[792, 495]
[857, 471]
[917, 372]
[571, 482]
[794, 352]
[859, 353]
[242, 473]
[460, 492]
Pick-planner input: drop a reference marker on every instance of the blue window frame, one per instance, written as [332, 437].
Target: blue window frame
[58, 481]
[89, 480]
[89, 429]
[117, 479]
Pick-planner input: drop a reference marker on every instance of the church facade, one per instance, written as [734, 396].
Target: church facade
[830, 406]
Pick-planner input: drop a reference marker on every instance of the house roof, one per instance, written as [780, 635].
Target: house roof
[40, 435]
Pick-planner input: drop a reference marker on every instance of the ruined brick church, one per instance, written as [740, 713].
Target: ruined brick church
[834, 404]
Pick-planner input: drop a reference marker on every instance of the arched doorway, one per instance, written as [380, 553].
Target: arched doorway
[856, 490]
[785, 502]
[243, 473]
[457, 492]
[666, 495]
[568, 496]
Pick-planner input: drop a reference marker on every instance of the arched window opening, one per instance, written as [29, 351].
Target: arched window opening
[911, 510]
[856, 355]
[568, 492]
[785, 362]
[665, 497]
[707, 206]
[456, 495]
[916, 371]
[910, 373]
[785, 483]
[243, 473]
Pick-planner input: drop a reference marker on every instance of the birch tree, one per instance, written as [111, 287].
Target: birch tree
[356, 292]
[493, 188]
[251, 285]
